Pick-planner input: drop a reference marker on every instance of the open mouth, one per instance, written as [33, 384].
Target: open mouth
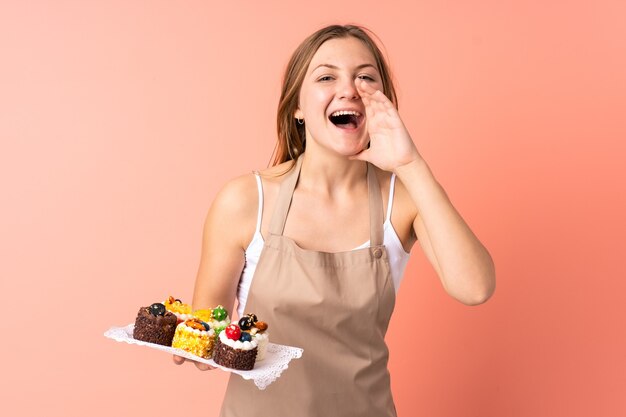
[346, 119]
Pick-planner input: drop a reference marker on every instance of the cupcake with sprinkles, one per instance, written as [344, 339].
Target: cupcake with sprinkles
[235, 349]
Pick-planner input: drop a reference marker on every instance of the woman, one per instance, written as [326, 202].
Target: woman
[357, 177]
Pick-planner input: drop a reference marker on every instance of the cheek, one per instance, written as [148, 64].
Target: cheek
[321, 97]
[315, 103]
[377, 85]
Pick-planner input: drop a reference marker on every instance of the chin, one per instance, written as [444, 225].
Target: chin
[355, 149]
[349, 151]
[342, 145]
[350, 147]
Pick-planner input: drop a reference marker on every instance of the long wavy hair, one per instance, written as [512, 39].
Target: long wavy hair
[291, 141]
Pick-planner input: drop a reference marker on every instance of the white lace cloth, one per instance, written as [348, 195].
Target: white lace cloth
[264, 373]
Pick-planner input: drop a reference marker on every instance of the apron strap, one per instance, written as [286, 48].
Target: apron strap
[376, 207]
[283, 202]
[285, 195]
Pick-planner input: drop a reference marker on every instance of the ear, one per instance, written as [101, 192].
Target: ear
[298, 114]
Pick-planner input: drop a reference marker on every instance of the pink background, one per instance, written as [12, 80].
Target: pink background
[120, 120]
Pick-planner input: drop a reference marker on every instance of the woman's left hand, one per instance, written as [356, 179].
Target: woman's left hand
[391, 145]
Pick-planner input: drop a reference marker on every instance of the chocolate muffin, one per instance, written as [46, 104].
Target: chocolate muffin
[155, 325]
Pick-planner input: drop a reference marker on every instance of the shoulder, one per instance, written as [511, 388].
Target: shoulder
[272, 177]
[237, 202]
[237, 194]
[276, 173]
[240, 196]
[234, 210]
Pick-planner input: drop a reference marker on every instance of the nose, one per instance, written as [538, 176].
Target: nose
[347, 90]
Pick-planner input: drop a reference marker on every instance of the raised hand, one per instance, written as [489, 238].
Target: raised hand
[391, 145]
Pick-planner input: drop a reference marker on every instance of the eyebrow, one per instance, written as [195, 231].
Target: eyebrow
[336, 67]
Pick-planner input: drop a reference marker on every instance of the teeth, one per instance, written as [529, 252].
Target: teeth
[346, 112]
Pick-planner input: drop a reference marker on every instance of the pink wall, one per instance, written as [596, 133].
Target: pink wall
[120, 120]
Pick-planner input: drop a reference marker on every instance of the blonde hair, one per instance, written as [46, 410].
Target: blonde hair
[291, 135]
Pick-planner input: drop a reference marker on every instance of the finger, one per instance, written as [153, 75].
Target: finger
[381, 105]
[361, 156]
[363, 86]
[365, 98]
[178, 360]
[374, 100]
[373, 95]
[203, 366]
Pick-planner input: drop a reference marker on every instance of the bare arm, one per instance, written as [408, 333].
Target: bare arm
[228, 228]
[463, 264]
[222, 257]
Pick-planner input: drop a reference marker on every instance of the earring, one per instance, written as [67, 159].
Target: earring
[300, 121]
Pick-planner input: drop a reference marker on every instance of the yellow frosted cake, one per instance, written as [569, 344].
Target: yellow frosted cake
[196, 337]
[180, 309]
[217, 317]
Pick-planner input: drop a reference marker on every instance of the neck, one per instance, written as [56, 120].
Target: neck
[329, 173]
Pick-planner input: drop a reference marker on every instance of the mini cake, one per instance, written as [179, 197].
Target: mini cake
[194, 336]
[180, 309]
[204, 315]
[155, 325]
[235, 349]
[258, 330]
[219, 319]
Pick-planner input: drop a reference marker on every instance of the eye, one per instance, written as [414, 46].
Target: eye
[365, 77]
[325, 78]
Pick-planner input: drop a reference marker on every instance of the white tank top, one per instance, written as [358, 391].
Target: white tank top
[398, 257]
